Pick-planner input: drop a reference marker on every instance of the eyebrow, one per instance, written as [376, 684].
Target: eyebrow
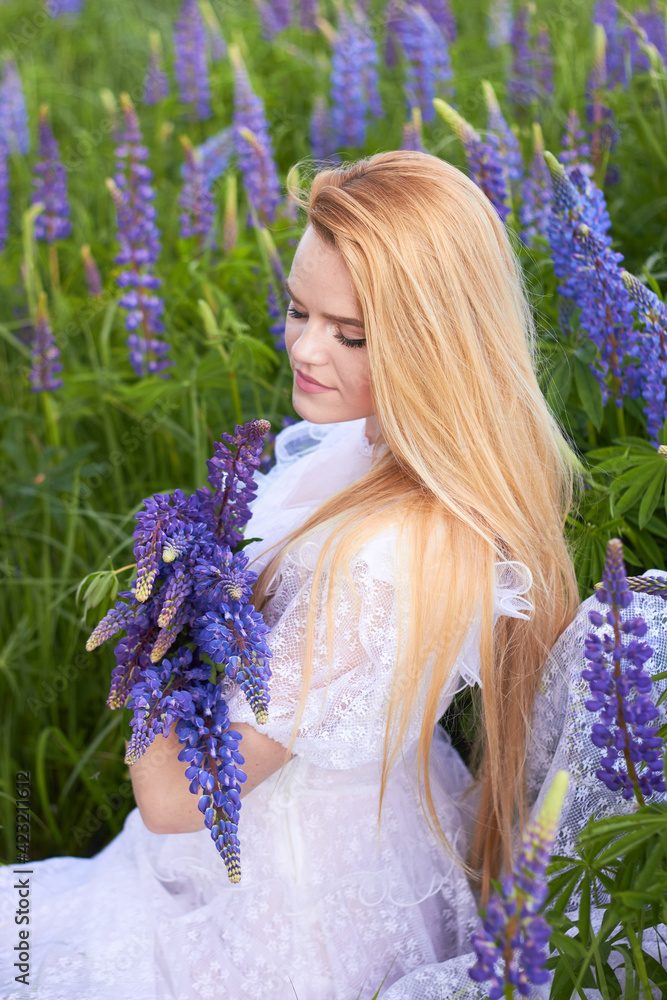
[337, 319]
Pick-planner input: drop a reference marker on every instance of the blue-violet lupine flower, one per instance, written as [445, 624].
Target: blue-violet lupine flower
[4, 193]
[412, 132]
[510, 153]
[523, 86]
[156, 81]
[321, 134]
[216, 152]
[191, 60]
[485, 163]
[308, 11]
[632, 762]
[13, 110]
[191, 586]
[45, 354]
[535, 207]
[575, 151]
[590, 273]
[499, 23]
[196, 199]
[65, 8]
[276, 16]
[605, 13]
[253, 145]
[443, 15]
[354, 82]
[91, 270]
[511, 944]
[651, 349]
[427, 57]
[139, 240]
[50, 186]
[216, 40]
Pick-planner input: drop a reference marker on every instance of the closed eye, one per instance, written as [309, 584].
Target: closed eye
[347, 341]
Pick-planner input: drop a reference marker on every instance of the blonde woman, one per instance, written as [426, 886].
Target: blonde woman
[412, 543]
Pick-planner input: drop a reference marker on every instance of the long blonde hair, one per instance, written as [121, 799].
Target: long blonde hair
[474, 458]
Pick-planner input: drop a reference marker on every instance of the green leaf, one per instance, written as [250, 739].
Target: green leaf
[588, 389]
[628, 488]
[558, 389]
[651, 497]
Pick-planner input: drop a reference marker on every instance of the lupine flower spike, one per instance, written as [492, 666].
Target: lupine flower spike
[196, 199]
[276, 16]
[578, 233]
[191, 65]
[45, 354]
[216, 41]
[511, 944]
[499, 23]
[427, 56]
[651, 349]
[13, 111]
[485, 163]
[50, 188]
[510, 152]
[523, 87]
[535, 208]
[253, 145]
[355, 99]
[65, 8]
[633, 749]
[193, 588]
[156, 81]
[575, 151]
[139, 240]
[91, 270]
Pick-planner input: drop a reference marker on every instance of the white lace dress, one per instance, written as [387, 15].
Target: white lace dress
[325, 909]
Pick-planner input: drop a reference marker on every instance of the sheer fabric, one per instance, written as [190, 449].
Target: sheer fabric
[327, 907]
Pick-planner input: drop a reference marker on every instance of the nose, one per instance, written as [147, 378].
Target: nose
[309, 347]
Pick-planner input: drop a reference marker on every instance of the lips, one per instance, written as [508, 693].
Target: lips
[312, 381]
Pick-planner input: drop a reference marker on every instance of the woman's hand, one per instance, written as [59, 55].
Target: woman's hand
[162, 792]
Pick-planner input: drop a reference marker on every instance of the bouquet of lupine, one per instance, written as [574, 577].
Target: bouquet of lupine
[191, 599]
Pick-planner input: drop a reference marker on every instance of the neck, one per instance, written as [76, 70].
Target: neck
[372, 430]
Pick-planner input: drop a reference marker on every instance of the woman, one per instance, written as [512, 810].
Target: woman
[424, 492]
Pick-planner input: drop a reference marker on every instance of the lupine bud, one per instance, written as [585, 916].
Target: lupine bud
[91, 271]
[156, 81]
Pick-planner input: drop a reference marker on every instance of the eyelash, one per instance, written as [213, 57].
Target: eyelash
[337, 336]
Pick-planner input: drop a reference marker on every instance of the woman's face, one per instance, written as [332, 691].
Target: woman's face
[324, 336]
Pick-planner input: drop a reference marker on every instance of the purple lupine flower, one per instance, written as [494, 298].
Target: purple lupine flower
[196, 199]
[647, 27]
[191, 63]
[603, 134]
[139, 240]
[511, 944]
[216, 153]
[353, 88]
[91, 270]
[508, 144]
[412, 132]
[621, 697]
[276, 16]
[45, 354]
[606, 14]
[50, 186]
[4, 192]
[427, 57]
[545, 62]
[65, 8]
[308, 11]
[181, 544]
[216, 40]
[578, 234]
[277, 295]
[156, 81]
[499, 23]
[13, 110]
[485, 164]
[523, 86]
[651, 349]
[442, 14]
[535, 208]
[392, 17]
[253, 145]
[322, 139]
[574, 148]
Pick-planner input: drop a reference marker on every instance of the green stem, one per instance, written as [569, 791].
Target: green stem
[236, 399]
[620, 421]
[51, 416]
[53, 267]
